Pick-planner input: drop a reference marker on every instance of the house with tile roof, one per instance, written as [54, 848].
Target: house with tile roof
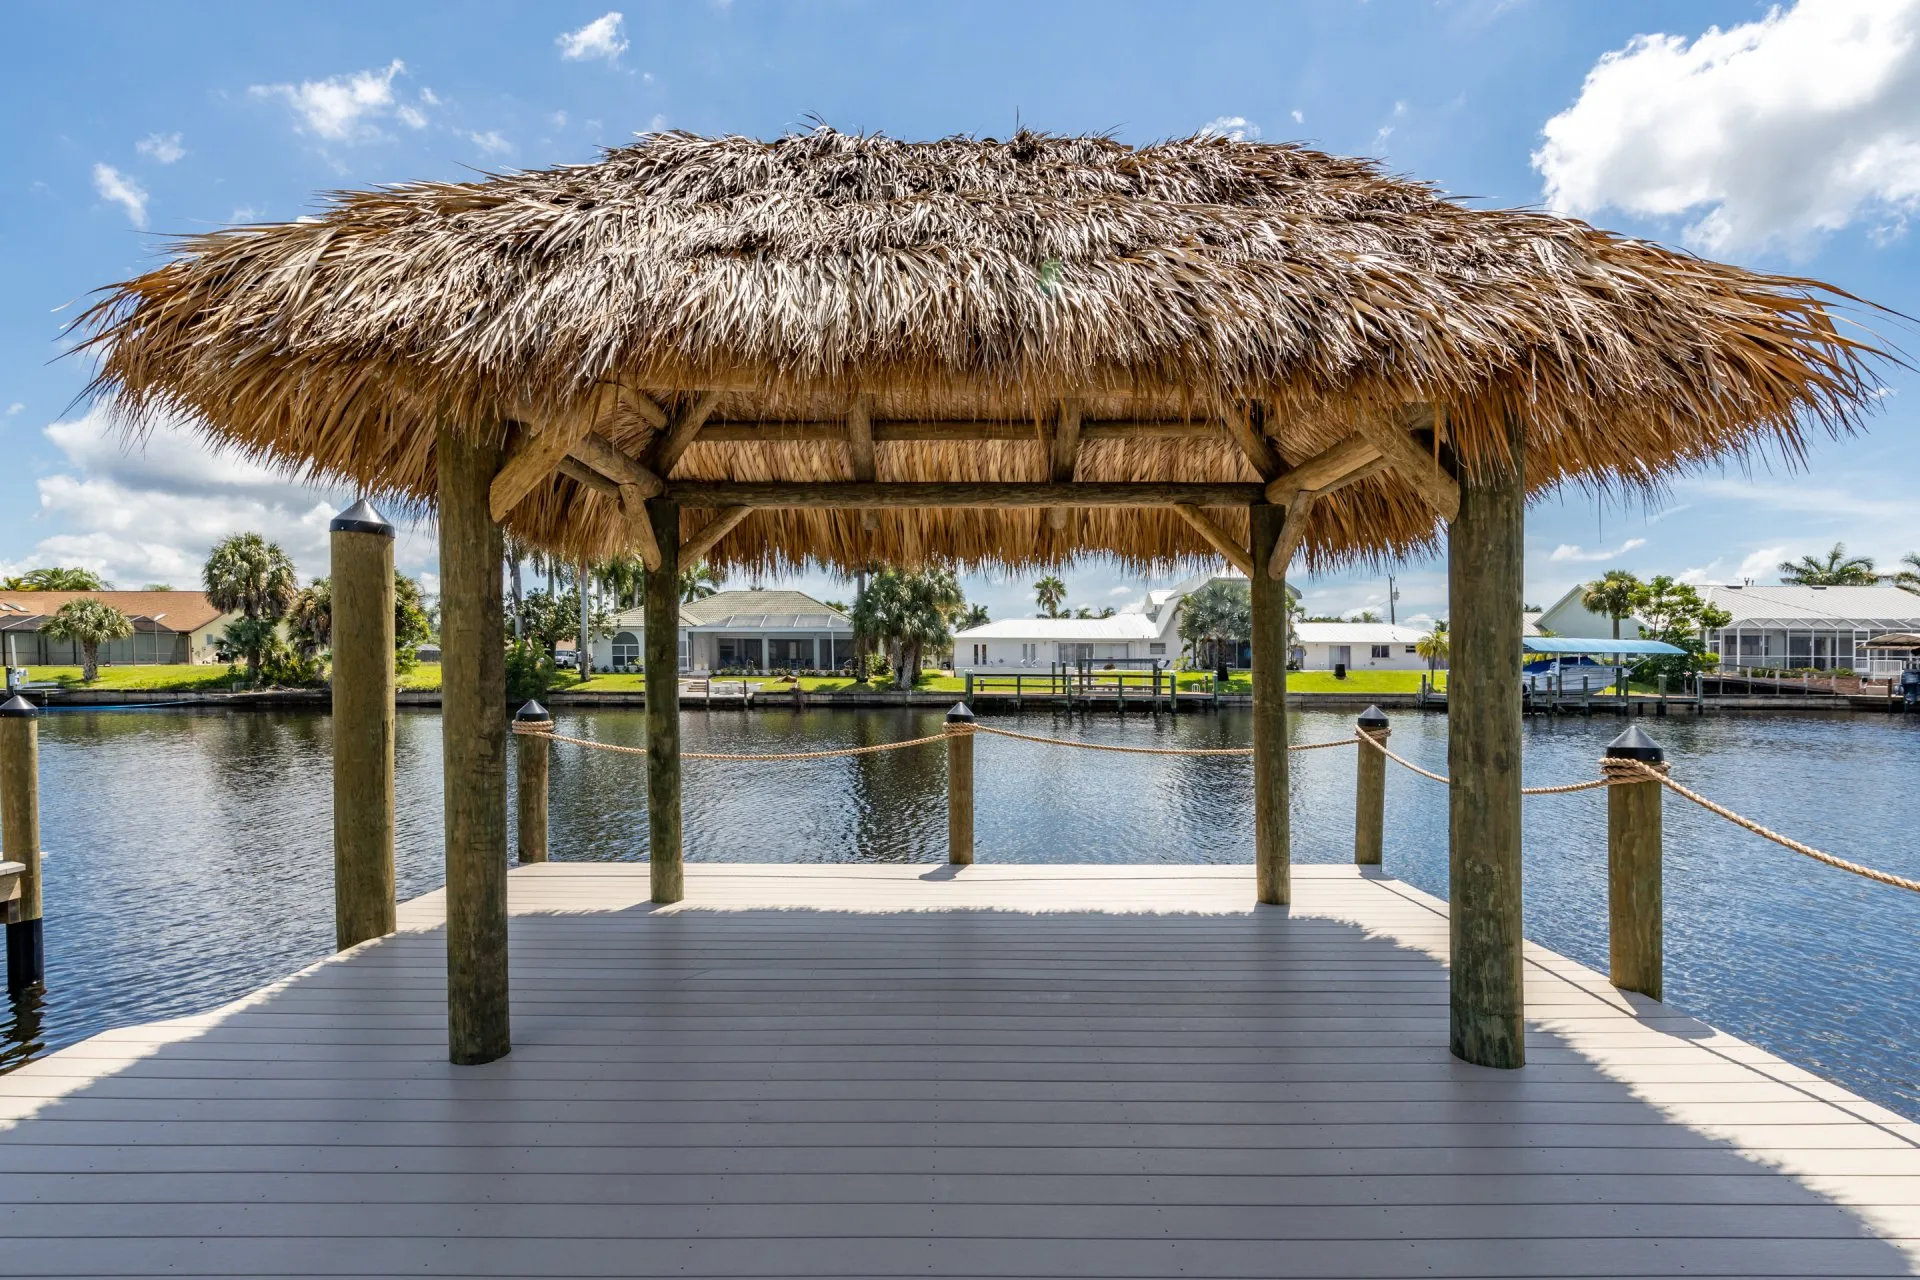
[739, 631]
[1789, 628]
[168, 627]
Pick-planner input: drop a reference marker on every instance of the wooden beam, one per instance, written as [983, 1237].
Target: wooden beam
[1240, 425]
[1267, 602]
[1217, 536]
[535, 454]
[709, 534]
[1292, 532]
[960, 494]
[1066, 454]
[955, 431]
[1414, 465]
[682, 427]
[1322, 469]
[600, 454]
[661, 638]
[642, 406]
[860, 449]
[633, 509]
[574, 469]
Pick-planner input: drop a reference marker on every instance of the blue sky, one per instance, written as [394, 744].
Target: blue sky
[1789, 141]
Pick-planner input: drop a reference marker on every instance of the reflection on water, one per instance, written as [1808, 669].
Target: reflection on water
[190, 853]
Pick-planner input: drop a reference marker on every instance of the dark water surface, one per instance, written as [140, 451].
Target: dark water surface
[190, 854]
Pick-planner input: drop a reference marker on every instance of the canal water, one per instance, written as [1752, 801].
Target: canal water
[190, 858]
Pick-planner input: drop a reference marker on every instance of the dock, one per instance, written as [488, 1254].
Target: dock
[825, 1070]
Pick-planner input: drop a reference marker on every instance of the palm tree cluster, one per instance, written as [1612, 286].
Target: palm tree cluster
[309, 620]
[1613, 595]
[55, 578]
[1216, 620]
[1050, 593]
[248, 575]
[909, 614]
[1907, 576]
[1835, 569]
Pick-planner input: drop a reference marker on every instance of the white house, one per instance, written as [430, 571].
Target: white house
[1568, 617]
[1822, 628]
[739, 631]
[1357, 646]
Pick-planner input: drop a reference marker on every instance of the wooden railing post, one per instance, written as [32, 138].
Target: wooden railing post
[20, 840]
[360, 542]
[1635, 910]
[532, 755]
[960, 785]
[1370, 791]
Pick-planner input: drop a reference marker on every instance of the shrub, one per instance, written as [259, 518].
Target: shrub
[530, 672]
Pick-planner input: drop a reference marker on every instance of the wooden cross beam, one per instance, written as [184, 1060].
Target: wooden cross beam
[1414, 465]
[950, 431]
[1065, 454]
[709, 534]
[1322, 469]
[1259, 450]
[682, 426]
[786, 493]
[1216, 534]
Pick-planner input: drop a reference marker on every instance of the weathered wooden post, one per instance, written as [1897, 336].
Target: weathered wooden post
[1484, 565]
[1370, 790]
[1635, 903]
[20, 838]
[473, 694]
[1269, 610]
[533, 753]
[361, 548]
[662, 638]
[959, 729]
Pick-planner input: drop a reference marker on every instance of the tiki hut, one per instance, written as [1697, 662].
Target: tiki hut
[839, 349]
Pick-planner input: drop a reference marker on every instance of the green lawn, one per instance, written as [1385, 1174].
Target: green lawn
[1403, 682]
[167, 677]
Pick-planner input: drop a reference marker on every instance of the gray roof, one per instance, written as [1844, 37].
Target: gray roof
[1780, 606]
[764, 611]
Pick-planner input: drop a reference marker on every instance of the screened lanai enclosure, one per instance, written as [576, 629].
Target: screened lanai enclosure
[833, 350]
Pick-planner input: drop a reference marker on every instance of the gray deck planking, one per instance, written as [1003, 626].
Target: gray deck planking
[900, 1070]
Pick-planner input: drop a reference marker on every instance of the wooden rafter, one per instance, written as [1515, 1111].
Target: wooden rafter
[1253, 443]
[956, 431]
[1292, 533]
[694, 549]
[1216, 534]
[682, 426]
[531, 460]
[960, 494]
[599, 453]
[1415, 465]
[1322, 469]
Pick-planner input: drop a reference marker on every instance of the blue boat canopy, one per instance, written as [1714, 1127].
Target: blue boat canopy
[1583, 644]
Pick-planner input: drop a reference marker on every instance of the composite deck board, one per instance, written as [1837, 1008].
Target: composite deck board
[907, 1070]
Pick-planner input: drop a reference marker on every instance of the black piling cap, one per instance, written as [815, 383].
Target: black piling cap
[960, 714]
[1373, 718]
[1634, 744]
[18, 708]
[532, 711]
[361, 518]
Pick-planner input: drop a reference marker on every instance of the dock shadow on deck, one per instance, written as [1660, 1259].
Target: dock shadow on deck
[891, 1071]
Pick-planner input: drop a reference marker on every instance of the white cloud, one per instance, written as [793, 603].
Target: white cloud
[1658, 516]
[124, 191]
[15, 407]
[655, 125]
[245, 213]
[345, 108]
[1768, 133]
[604, 37]
[491, 142]
[1299, 117]
[1761, 563]
[150, 511]
[1236, 128]
[1568, 551]
[558, 119]
[162, 148]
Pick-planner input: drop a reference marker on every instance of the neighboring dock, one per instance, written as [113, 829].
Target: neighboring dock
[931, 1070]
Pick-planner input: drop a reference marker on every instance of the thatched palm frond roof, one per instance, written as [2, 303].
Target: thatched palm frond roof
[804, 279]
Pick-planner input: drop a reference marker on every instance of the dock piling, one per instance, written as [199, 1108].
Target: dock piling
[1635, 925]
[20, 840]
[533, 753]
[360, 542]
[959, 728]
[1370, 791]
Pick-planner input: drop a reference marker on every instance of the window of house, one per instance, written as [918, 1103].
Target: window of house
[1156, 648]
[626, 649]
[1381, 650]
[979, 654]
[1413, 648]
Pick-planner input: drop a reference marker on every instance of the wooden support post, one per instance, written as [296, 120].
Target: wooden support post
[20, 839]
[1370, 791]
[532, 758]
[363, 688]
[473, 751]
[1634, 898]
[1269, 608]
[662, 638]
[1484, 564]
[959, 727]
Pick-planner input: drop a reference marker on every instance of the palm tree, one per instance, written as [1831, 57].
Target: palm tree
[701, 581]
[310, 619]
[1836, 569]
[1218, 615]
[909, 613]
[1050, 592]
[56, 579]
[1908, 574]
[1434, 647]
[88, 623]
[1614, 595]
[975, 616]
[253, 577]
[625, 579]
